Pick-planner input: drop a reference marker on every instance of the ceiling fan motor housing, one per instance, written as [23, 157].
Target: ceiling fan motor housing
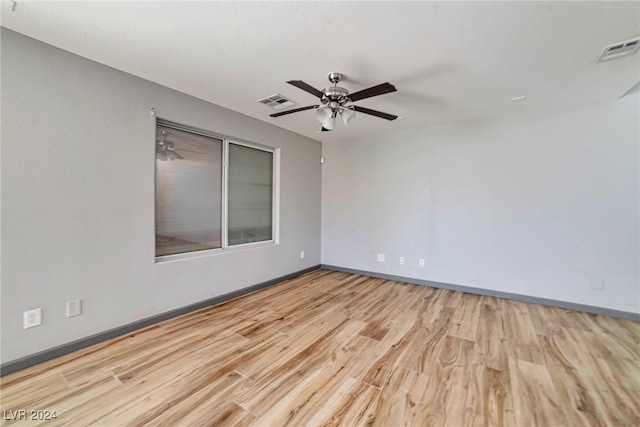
[334, 94]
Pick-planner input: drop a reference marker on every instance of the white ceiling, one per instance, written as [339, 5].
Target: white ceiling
[450, 61]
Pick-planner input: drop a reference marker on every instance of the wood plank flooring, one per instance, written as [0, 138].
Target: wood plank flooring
[331, 348]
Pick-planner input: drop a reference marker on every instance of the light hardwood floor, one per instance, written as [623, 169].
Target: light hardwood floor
[331, 348]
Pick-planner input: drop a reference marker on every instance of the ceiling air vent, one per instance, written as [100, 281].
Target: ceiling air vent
[618, 50]
[277, 102]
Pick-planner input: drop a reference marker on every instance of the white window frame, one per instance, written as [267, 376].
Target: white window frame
[275, 214]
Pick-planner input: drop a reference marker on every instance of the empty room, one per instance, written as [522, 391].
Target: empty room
[320, 213]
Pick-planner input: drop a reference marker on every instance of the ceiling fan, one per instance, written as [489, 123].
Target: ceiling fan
[334, 100]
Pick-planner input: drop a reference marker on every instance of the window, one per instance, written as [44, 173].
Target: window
[188, 192]
[195, 192]
[250, 195]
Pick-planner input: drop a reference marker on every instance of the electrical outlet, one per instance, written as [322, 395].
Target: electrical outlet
[74, 308]
[32, 318]
[380, 257]
[402, 260]
[597, 284]
[421, 262]
[301, 254]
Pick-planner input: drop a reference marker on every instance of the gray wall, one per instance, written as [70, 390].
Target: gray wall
[78, 199]
[532, 205]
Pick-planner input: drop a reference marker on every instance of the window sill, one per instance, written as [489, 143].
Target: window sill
[213, 252]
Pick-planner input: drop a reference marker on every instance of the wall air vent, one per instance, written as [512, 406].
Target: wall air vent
[277, 102]
[618, 50]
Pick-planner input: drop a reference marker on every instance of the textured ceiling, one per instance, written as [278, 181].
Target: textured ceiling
[450, 61]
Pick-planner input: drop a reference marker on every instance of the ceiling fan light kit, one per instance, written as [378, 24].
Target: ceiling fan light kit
[323, 114]
[347, 115]
[334, 100]
[330, 123]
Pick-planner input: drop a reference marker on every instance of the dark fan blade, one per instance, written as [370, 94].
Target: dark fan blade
[307, 88]
[373, 112]
[324, 129]
[380, 89]
[295, 110]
